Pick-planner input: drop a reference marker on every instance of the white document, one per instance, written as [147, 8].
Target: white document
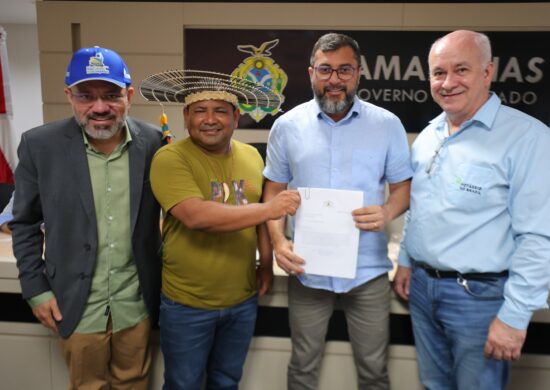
[325, 235]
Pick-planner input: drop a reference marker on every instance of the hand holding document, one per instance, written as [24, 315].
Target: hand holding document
[325, 235]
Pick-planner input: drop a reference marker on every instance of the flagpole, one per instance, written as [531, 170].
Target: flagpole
[8, 156]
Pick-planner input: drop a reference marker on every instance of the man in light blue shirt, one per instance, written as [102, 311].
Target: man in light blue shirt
[6, 216]
[477, 237]
[338, 141]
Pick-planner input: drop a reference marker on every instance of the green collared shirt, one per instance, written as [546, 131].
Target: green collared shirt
[115, 285]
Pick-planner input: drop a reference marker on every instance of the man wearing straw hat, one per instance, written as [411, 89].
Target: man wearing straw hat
[94, 277]
[209, 187]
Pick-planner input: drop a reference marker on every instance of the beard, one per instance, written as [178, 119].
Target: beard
[102, 132]
[332, 106]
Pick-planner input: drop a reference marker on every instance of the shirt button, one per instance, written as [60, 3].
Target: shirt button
[110, 217]
[111, 245]
[109, 189]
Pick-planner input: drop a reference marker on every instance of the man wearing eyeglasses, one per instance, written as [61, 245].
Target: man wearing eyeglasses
[338, 141]
[93, 275]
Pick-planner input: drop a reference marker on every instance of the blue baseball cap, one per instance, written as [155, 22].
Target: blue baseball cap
[97, 63]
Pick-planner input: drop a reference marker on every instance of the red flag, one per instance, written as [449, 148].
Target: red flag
[7, 148]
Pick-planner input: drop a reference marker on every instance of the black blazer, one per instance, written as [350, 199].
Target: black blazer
[52, 184]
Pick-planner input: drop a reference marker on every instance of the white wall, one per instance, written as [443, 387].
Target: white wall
[24, 68]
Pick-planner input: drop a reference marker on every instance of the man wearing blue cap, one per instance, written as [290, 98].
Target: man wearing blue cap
[94, 277]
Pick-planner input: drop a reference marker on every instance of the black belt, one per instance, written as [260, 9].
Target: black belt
[438, 274]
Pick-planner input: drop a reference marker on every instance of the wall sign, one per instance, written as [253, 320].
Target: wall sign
[394, 68]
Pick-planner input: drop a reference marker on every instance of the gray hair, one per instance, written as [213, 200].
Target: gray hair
[484, 44]
[335, 41]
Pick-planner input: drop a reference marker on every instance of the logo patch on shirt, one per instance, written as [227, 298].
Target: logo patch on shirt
[468, 187]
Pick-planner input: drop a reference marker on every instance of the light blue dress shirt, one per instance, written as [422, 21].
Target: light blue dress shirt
[363, 151]
[7, 213]
[480, 202]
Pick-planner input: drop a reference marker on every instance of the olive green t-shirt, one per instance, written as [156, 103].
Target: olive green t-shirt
[203, 269]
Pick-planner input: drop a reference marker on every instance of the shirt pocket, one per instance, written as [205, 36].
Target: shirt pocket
[469, 185]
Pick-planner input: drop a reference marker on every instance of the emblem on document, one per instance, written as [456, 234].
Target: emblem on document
[328, 203]
[261, 68]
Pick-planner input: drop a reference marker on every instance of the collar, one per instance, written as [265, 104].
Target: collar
[486, 115]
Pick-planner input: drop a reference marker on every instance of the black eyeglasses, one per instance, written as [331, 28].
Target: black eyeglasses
[344, 73]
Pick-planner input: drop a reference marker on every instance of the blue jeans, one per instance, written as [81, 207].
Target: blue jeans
[450, 324]
[198, 341]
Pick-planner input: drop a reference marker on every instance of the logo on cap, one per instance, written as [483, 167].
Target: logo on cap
[96, 65]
